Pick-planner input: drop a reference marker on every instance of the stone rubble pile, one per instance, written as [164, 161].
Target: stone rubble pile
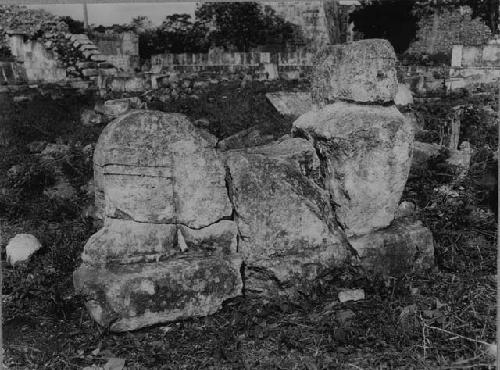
[78, 54]
[188, 225]
[31, 22]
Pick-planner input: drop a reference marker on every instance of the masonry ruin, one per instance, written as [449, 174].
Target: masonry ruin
[189, 225]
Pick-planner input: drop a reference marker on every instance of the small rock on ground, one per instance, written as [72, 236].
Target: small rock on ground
[20, 248]
[351, 295]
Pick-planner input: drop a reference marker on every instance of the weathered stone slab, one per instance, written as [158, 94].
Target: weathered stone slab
[403, 247]
[129, 242]
[129, 297]
[288, 232]
[363, 71]
[366, 152]
[157, 167]
[291, 103]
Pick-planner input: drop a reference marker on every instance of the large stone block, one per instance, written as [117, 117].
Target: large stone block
[288, 232]
[291, 103]
[157, 167]
[128, 297]
[363, 71]
[128, 242]
[366, 152]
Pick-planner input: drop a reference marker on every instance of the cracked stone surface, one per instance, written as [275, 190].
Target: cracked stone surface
[287, 227]
[362, 71]
[129, 297]
[158, 168]
[366, 151]
[168, 248]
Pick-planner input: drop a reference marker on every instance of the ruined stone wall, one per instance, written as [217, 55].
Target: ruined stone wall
[126, 43]
[228, 62]
[424, 79]
[454, 28]
[308, 15]
[39, 64]
[475, 65]
[11, 73]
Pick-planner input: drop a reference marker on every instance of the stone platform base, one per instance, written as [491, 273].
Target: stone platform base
[128, 297]
[405, 246]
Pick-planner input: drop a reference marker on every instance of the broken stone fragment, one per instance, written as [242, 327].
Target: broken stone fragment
[363, 71]
[116, 107]
[366, 151]
[144, 151]
[404, 96]
[347, 295]
[89, 72]
[168, 247]
[128, 242]
[20, 248]
[288, 233]
[129, 297]
[292, 104]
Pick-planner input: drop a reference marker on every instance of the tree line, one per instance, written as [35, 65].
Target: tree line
[249, 25]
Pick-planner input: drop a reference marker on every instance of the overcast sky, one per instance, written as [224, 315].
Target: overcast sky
[108, 14]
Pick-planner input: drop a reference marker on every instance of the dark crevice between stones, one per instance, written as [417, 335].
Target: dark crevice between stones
[261, 274]
[120, 215]
[243, 278]
[321, 182]
[324, 101]
[228, 179]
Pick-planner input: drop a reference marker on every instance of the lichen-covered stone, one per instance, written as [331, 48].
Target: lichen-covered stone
[363, 71]
[288, 232]
[128, 242]
[291, 103]
[129, 297]
[157, 167]
[366, 151]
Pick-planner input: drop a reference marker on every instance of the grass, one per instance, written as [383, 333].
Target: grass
[418, 321]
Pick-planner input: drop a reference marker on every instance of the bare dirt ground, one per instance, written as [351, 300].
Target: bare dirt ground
[442, 319]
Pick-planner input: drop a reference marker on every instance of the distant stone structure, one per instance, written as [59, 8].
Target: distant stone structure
[454, 27]
[119, 49]
[312, 18]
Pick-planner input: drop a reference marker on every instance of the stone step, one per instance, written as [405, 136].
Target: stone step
[87, 47]
[90, 72]
[85, 65]
[98, 58]
[88, 53]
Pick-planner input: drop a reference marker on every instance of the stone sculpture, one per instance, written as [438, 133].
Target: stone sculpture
[189, 225]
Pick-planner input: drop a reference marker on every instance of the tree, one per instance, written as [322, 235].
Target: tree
[74, 26]
[487, 10]
[141, 24]
[245, 25]
[393, 20]
[177, 34]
